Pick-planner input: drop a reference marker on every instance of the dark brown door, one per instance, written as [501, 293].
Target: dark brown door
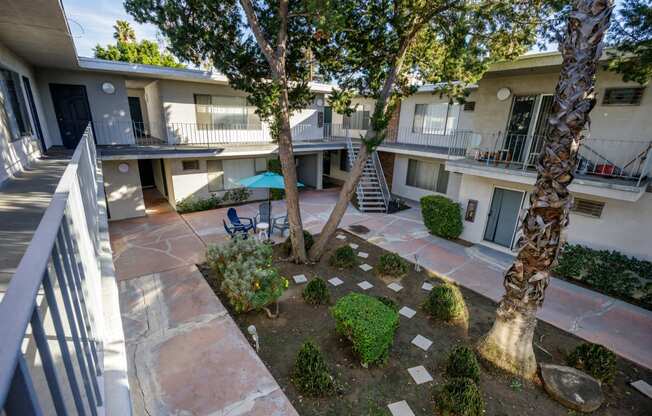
[72, 111]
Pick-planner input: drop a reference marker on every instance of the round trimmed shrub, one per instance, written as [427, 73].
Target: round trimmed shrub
[343, 257]
[442, 216]
[391, 264]
[595, 360]
[446, 303]
[316, 292]
[308, 241]
[462, 362]
[460, 396]
[310, 374]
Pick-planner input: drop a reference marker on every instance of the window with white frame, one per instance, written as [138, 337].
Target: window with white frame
[430, 176]
[225, 113]
[359, 120]
[435, 118]
[189, 165]
[13, 111]
[215, 175]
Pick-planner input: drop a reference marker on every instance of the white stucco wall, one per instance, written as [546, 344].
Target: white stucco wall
[402, 190]
[140, 93]
[309, 170]
[158, 176]
[123, 190]
[154, 110]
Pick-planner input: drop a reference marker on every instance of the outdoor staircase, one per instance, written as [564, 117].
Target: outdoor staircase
[372, 192]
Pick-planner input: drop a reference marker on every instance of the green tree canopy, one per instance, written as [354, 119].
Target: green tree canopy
[127, 49]
[631, 35]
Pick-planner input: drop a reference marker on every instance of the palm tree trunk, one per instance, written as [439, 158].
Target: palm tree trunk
[508, 344]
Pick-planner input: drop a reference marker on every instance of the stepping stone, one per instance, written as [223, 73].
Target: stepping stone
[300, 278]
[341, 237]
[335, 281]
[365, 285]
[354, 246]
[395, 287]
[422, 342]
[363, 254]
[571, 387]
[365, 267]
[419, 374]
[407, 312]
[643, 387]
[400, 409]
[427, 287]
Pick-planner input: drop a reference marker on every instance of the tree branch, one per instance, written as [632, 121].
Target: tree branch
[258, 33]
[281, 43]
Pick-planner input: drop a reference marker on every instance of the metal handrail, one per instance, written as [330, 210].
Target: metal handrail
[381, 179]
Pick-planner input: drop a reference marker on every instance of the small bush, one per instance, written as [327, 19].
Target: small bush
[445, 302]
[245, 273]
[391, 264]
[595, 360]
[388, 302]
[368, 323]
[310, 374]
[463, 363]
[308, 241]
[442, 216]
[237, 195]
[193, 204]
[344, 258]
[316, 292]
[461, 397]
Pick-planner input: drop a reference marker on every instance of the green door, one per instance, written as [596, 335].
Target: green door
[503, 216]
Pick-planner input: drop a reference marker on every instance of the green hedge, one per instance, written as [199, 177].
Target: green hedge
[391, 264]
[442, 216]
[463, 363]
[343, 258]
[368, 323]
[316, 292]
[446, 303]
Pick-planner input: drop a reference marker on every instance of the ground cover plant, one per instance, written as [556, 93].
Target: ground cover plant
[595, 360]
[392, 265]
[316, 292]
[442, 216]
[367, 391]
[195, 203]
[343, 257]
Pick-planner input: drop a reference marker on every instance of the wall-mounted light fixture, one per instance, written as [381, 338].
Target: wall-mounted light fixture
[503, 93]
[123, 167]
[108, 88]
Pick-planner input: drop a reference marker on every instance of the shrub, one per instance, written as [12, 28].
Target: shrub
[193, 204]
[442, 216]
[460, 396]
[308, 241]
[391, 264]
[236, 195]
[310, 374]
[344, 258]
[463, 363]
[316, 292]
[388, 302]
[595, 360]
[445, 302]
[245, 273]
[368, 323]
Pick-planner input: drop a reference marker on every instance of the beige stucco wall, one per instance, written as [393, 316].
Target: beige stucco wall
[336, 173]
[401, 189]
[140, 93]
[154, 110]
[123, 190]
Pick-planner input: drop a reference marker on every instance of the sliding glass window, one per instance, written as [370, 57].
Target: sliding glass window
[435, 118]
[225, 113]
[13, 111]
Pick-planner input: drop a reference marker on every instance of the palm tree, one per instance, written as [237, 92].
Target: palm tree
[508, 344]
[124, 32]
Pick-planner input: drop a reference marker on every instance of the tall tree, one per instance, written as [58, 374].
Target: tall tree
[376, 47]
[631, 36]
[127, 49]
[261, 47]
[509, 342]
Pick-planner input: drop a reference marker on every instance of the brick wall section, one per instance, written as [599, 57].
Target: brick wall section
[392, 127]
[387, 162]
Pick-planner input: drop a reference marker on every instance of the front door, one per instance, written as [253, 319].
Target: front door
[72, 111]
[327, 163]
[503, 217]
[136, 116]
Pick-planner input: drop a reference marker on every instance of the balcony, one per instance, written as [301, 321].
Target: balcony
[450, 144]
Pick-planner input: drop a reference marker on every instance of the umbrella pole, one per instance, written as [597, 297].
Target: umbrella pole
[269, 209]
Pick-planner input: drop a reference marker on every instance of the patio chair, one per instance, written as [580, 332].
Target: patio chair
[235, 231]
[236, 221]
[281, 224]
[264, 214]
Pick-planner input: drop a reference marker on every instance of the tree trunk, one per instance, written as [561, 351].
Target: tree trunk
[508, 345]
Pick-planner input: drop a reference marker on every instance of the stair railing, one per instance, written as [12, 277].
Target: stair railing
[381, 179]
[352, 156]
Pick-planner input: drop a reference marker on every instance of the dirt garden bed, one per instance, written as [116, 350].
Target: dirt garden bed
[369, 391]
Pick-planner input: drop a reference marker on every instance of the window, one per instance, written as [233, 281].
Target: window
[469, 106]
[588, 207]
[190, 165]
[623, 96]
[427, 175]
[260, 165]
[344, 160]
[435, 118]
[357, 121]
[225, 113]
[215, 174]
[13, 112]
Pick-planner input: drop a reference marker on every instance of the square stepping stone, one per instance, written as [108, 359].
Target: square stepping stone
[299, 278]
[363, 254]
[335, 281]
[643, 387]
[419, 374]
[400, 409]
[407, 312]
[365, 267]
[341, 237]
[365, 285]
[354, 246]
[427, 287]
[422, 342]
[395, 287]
